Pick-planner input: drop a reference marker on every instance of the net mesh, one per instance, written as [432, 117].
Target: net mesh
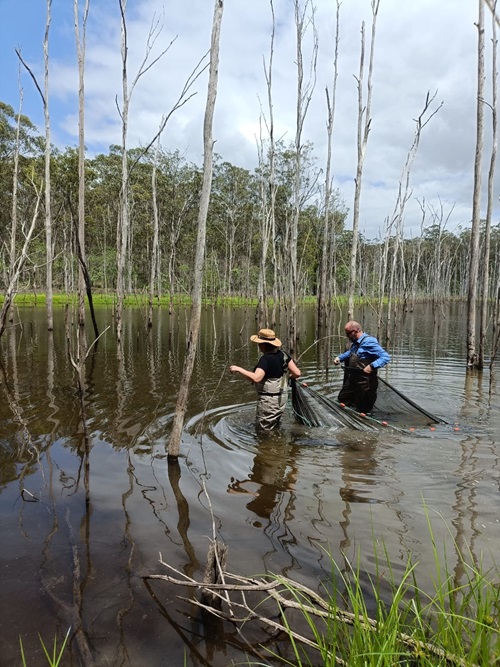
[392, 409]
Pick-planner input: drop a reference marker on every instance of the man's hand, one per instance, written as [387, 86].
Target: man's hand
[367, 369]
[336, 361]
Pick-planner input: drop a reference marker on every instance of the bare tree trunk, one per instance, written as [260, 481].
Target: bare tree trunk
[155, 248]
[48, 205]
[82, 265]
[363, 132]
[268, 195]
[13, 226]
[489, 209]
[194, 325]
[404, 194]
[123, 222]
[324, 293]
[123, 227]
[304, 95]
[19, 263]
[476, 202]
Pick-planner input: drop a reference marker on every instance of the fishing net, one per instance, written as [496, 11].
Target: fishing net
[392, 410]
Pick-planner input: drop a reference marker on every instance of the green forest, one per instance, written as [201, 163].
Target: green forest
[433, 265]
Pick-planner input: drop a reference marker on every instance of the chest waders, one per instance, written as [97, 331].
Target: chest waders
[273, 395]
[359, 389]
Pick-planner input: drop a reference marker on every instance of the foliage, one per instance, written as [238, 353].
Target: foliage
[434, 265]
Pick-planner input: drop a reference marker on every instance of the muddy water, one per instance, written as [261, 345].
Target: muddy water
[85, 519]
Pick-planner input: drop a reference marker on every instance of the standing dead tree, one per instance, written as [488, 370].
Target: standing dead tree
[18, 264]
[48, 203]
[84, 283]
[397, 220]
[364, 126]
[267, 165]
[304, 17]
[491, 176]
[15, 174]
[476, 199]
[155, 250]
[194, 324]
[48, 208]
[123, 229]
[324, 285]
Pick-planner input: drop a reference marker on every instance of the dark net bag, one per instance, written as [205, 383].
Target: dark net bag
[392, 409]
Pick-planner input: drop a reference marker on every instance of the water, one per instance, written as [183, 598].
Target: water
[81, 529]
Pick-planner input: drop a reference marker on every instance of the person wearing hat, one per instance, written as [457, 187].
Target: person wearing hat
[270, 378]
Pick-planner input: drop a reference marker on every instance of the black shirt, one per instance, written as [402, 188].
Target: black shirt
[273, 364]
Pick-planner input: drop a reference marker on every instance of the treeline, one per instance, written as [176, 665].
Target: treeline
[162, 183]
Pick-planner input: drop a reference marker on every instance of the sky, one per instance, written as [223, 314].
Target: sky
[421, 47]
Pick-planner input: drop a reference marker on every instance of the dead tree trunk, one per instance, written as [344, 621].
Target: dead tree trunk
[194, 325]
[268, 193]
[489, 209]
[364, 112]
[304, 95]
[19, 262]
[48, 206]
[83, 279]
[155, 249]
[324, 291]
[404, 194]
[123, 227]
[13, 226]
[476, 201]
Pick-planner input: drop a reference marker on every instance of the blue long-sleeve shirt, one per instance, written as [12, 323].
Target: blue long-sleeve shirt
[368, 347]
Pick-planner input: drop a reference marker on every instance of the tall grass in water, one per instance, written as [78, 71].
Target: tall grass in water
[52, 660]
[456, 624]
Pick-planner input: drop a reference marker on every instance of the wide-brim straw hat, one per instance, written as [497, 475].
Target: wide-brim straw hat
[266, 336]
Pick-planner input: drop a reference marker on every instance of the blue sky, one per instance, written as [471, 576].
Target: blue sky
[420, 46]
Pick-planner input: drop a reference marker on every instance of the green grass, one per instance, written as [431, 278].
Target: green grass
[383, 622]
[54, 658]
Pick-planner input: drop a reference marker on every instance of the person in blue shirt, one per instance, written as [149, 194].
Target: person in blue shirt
[361, 362]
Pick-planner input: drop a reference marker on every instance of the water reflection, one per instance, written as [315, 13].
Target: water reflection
[88, 498]
[273, 474]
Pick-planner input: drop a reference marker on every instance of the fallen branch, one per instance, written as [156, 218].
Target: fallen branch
[275, 587]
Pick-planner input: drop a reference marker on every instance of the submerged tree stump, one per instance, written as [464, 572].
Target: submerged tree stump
[214, 573]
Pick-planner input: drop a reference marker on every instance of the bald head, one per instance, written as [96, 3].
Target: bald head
[353, 330]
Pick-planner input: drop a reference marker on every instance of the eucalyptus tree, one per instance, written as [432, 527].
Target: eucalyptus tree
[231, 209]
[179, 185]
[363, 130]
[476, 199]
[102, 210]
[208, 149]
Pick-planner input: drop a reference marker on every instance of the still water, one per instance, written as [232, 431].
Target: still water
[81, 529]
